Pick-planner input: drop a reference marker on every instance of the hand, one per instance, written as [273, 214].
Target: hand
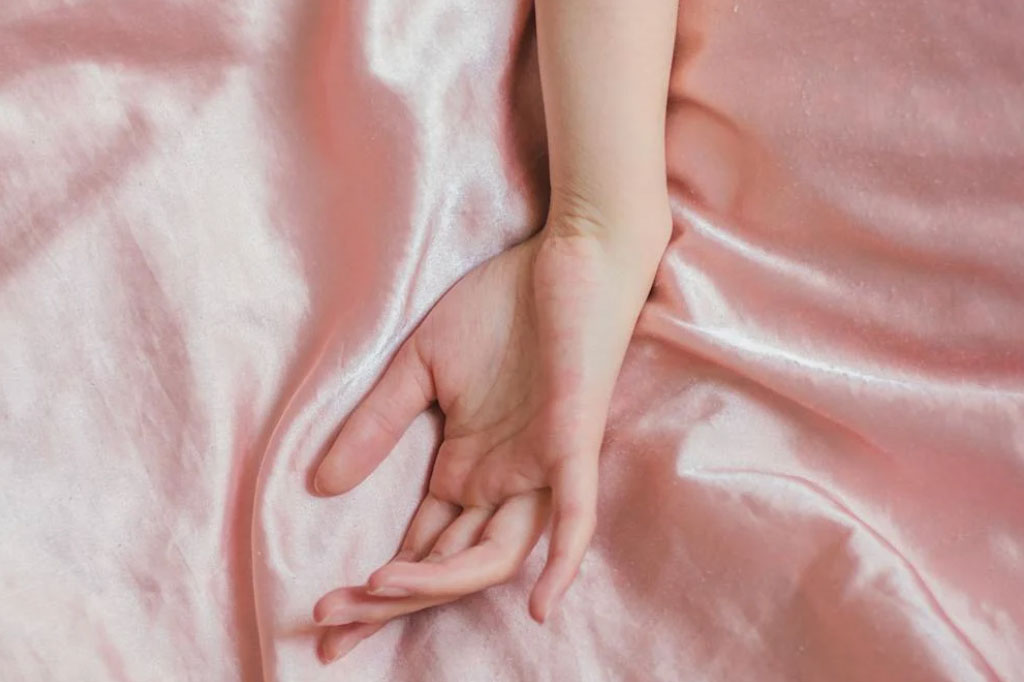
[521, 355]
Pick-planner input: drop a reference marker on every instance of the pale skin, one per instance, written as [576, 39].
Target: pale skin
[522, 354]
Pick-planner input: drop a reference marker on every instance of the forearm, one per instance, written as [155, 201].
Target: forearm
[604, 72]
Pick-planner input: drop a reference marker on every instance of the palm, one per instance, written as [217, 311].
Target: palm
[512, 398]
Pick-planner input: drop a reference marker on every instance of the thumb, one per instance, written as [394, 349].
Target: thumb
[370, 433]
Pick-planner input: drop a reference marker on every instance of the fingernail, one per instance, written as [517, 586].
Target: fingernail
[348, 645]
[324, 654]
[388, 591]
[322, 615]
[551, 608]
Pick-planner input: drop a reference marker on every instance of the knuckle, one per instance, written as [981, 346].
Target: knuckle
[505, 564]
[444, 488]
[406, 553]
[378, 417]
[507, 571]
[419, 369]
[558, 555]
[583, 515]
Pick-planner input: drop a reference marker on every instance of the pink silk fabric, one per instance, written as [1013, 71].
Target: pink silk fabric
[219, 219]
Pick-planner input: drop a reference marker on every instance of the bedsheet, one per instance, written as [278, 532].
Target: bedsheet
[218, 219]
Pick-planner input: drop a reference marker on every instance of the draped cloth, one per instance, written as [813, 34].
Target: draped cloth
[219, 219]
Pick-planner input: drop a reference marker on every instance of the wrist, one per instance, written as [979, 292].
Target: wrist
[634, 227]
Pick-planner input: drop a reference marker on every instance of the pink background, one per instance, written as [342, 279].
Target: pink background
[218, 219]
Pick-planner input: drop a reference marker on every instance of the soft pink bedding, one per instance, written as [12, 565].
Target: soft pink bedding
[217, 219]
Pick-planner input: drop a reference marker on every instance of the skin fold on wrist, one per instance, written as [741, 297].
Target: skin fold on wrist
[636, 231]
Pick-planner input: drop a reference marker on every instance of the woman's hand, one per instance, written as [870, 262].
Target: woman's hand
[521, 355]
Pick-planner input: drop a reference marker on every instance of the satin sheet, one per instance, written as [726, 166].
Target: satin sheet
[220, 218]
